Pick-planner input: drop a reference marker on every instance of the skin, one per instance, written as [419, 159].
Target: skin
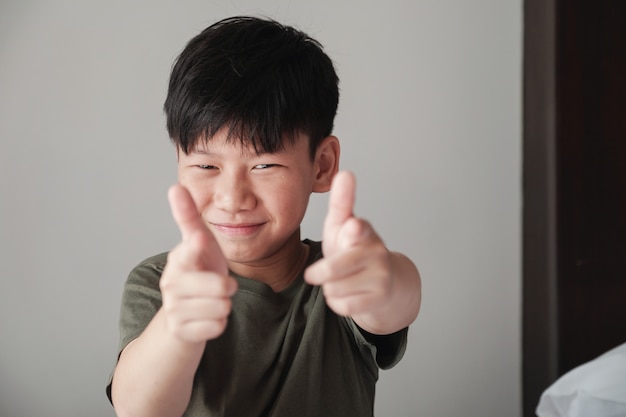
[241, 211]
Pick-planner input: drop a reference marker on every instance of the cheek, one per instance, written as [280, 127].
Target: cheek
[292, 202]
[182, 177]
[200, 193]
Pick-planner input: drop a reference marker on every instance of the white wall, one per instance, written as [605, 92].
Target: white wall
[429, 119]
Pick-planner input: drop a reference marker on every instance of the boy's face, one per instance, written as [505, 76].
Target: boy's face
[254, 204]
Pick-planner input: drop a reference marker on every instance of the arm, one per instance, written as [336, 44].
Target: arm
[402, 303]
[155, 372]
[379, 289]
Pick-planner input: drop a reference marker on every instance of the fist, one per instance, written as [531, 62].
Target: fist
[195, 286]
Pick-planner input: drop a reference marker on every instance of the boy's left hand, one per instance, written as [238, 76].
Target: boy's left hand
[356, 271]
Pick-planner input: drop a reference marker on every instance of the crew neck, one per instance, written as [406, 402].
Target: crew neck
[252, 286]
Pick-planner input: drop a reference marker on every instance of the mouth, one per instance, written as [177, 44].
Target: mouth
[239, 229]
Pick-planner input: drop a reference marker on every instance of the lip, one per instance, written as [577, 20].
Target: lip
[237, 229]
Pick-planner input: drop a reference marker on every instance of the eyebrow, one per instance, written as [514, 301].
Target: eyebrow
[201, 151]
[245, 154]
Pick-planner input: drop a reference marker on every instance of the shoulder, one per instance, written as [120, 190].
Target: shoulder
[155, 261]
[151, 267]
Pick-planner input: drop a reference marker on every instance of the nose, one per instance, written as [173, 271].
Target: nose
[232, 193]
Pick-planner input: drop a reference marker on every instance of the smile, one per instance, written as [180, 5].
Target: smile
[243, 229]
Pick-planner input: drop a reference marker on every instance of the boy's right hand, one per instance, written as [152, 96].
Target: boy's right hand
[195, 284]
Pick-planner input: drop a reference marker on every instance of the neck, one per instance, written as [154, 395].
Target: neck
[280, 269]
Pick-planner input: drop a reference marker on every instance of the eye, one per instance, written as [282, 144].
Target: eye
[264, 166]
[206, 166]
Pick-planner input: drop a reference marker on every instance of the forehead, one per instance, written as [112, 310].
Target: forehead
[247, 147]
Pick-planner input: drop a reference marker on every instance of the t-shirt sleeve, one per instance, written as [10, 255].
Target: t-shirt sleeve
[141, 299]
[387, 350]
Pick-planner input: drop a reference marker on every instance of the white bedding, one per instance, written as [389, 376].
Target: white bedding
[594, 389]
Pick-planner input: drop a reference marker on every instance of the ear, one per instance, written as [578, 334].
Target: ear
[326, 164]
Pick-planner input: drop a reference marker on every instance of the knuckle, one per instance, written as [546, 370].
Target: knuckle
[329, 290]
[215, 328]
[223, 286]
[326, 268]
[169, 282]
[166, 284]
[171, 309]
[174, 255]
[223, 308]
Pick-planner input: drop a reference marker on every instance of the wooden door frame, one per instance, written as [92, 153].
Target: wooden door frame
[539, 259]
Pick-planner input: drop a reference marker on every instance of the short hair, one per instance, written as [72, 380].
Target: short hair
[262, 81]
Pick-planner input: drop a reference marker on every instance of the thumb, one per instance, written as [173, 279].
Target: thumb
[184, 211]
[354, 230]
[340, 204]
[205, 253]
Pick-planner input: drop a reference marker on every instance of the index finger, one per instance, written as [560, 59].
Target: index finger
[184, 211]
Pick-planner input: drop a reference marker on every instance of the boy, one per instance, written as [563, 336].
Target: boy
[243, 318]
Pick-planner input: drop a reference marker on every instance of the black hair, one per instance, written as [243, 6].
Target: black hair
[262, 81]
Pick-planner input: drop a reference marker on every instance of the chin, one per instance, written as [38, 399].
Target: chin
[242, 254]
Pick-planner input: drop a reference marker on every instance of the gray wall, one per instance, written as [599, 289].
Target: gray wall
[429, 121]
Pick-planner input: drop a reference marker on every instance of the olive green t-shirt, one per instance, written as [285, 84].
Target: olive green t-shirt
[283, 354]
